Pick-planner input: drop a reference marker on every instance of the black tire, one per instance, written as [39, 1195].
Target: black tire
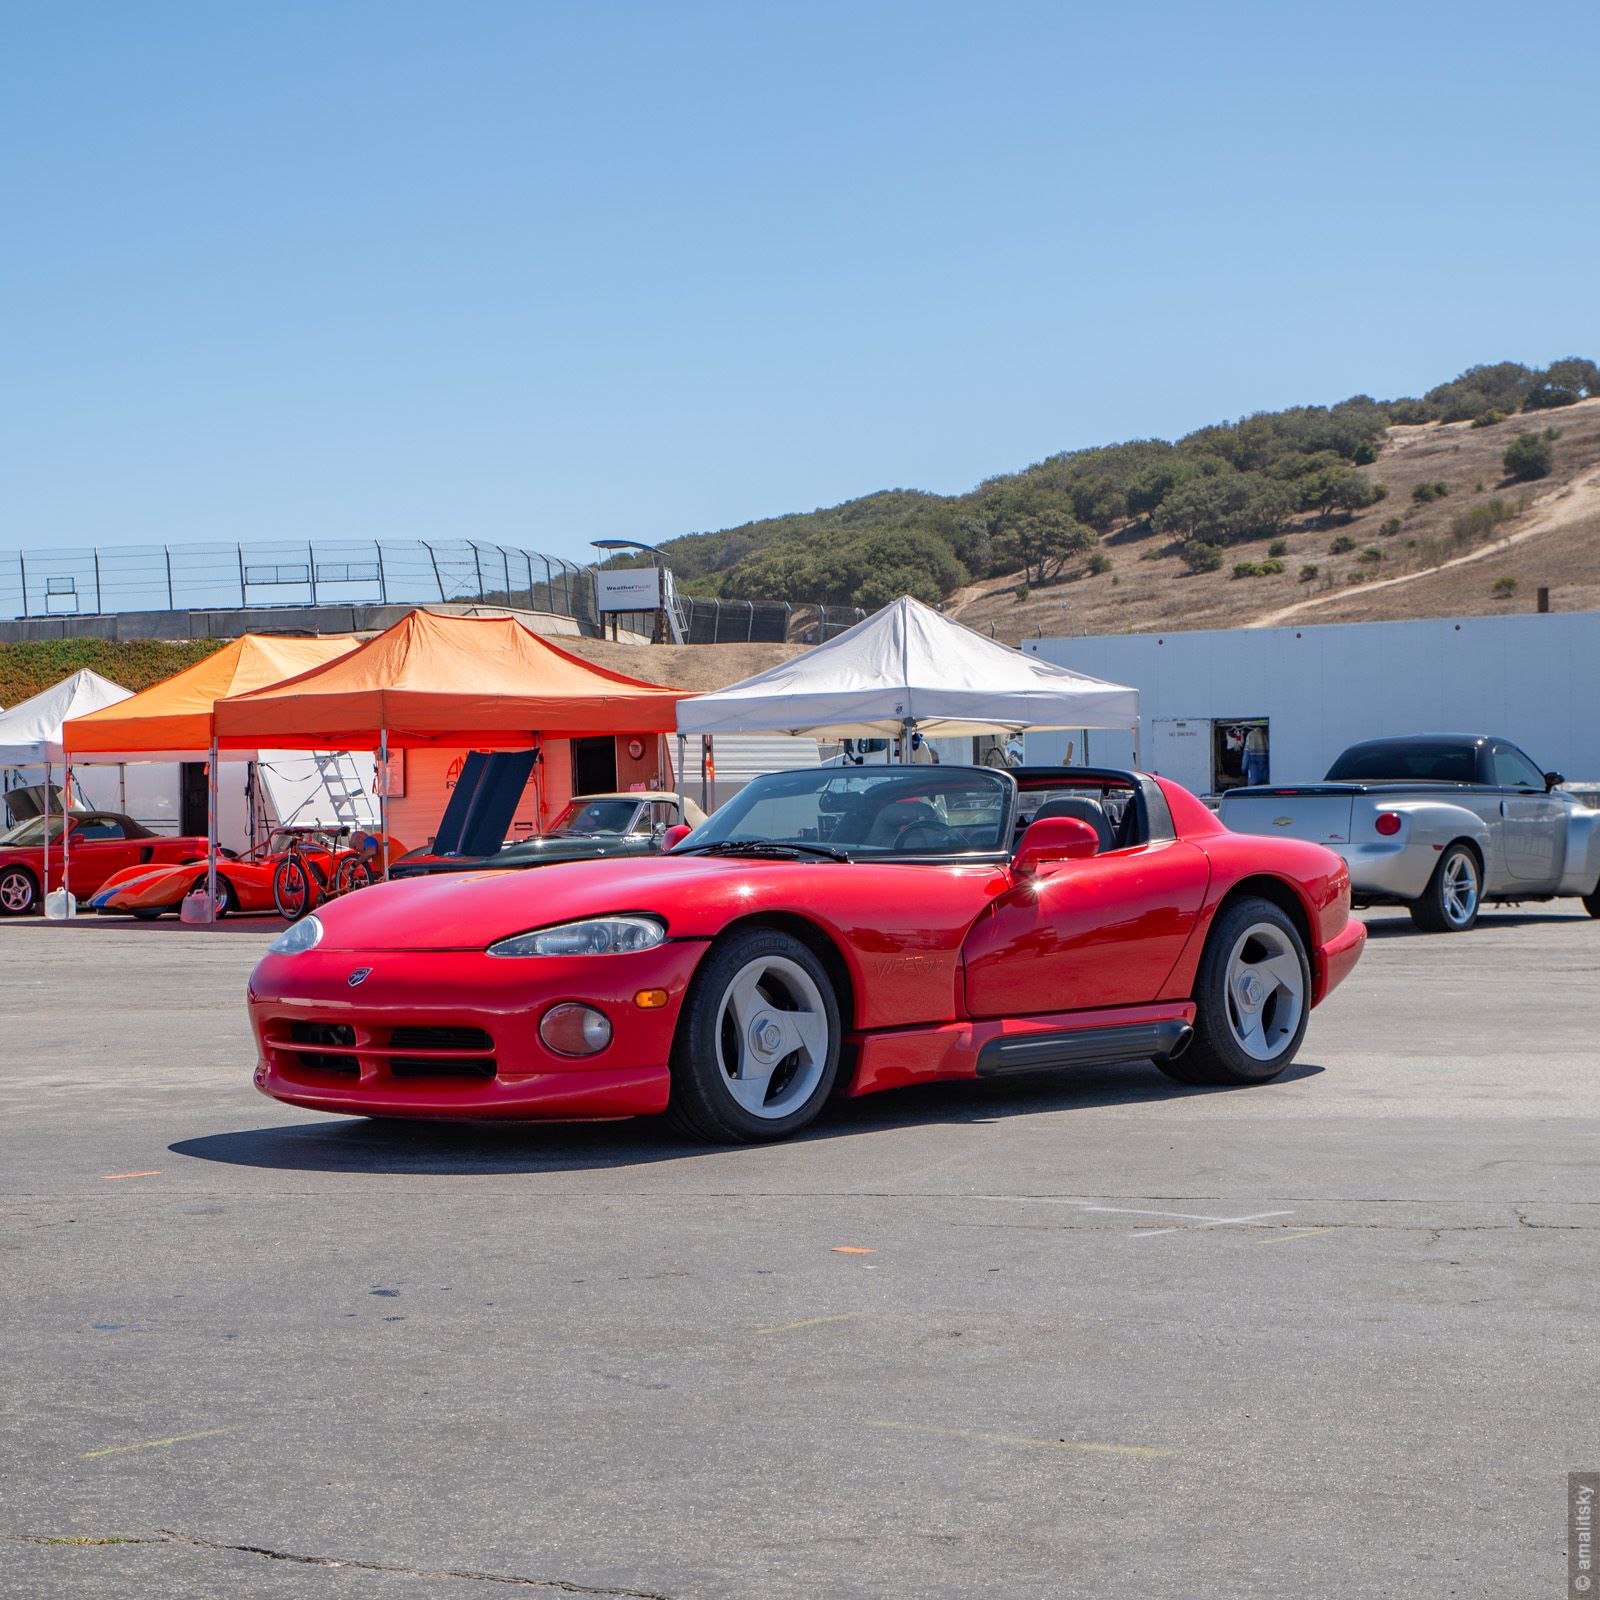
[1439, 908]
[292, 891]
[149, 913]
[790, 979]
[1591, 901]
[227, 900]
[19, 892]
[1216, 1054]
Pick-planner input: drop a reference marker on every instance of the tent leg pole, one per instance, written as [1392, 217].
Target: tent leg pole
[45, 890]
[211, 829]
[383, 796]
[66, 838]
[677, 776]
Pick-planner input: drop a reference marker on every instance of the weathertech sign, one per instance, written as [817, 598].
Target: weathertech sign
[628, 589]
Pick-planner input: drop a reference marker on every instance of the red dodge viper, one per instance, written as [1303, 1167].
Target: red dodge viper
[832, 931]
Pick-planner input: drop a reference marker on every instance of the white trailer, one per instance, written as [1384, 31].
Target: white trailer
[1316, 690]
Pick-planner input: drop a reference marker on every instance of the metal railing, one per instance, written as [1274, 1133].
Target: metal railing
[349, 572]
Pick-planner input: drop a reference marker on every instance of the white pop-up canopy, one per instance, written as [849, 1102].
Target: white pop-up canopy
[903, 665]
[30, 732]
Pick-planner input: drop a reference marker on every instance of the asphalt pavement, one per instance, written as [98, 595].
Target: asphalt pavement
[1087, 1335]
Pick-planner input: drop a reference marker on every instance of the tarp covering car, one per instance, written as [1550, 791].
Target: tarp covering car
[485, 681]
[907, 664]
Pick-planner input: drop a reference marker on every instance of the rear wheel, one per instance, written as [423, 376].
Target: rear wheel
[1252, 998]
[291, 889]
[353, 873]
[19, 892]
[757, 1050]
[1454, 894]
[227, 900]
[1591, 901]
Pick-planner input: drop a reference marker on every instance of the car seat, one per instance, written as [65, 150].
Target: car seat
[1085, 810]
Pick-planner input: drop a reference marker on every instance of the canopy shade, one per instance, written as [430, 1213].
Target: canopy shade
[30, 732]
[437, 680]
[906, 663]
[172, 719]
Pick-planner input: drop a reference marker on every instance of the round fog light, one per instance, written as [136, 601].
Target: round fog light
[574, 1030]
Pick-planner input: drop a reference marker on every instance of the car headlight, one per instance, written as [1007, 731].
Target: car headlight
[600, 936]
[306, 934]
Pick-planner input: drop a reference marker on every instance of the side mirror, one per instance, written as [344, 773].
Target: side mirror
[675, 835]
[1054, 839]
[1553, 780]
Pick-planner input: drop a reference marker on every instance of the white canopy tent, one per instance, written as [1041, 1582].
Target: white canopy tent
[907, 668]
[30, 732]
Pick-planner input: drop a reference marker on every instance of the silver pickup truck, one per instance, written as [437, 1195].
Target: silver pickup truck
[1438, 823]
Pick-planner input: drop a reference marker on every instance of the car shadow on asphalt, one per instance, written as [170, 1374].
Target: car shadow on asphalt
[397, 1147]
[1402, 927]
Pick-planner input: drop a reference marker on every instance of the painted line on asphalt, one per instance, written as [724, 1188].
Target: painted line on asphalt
[111, 1177]
[1018, 1439]
[810, 1322]
[851, 1250]
[1210, 1222]
[154, 1444]
[1303, 1233]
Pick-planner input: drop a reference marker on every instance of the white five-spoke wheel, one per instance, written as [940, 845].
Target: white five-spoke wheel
[1252, 997]
[772, 1036]
[18, 891]
[1266, 990]
[757, 1049]
[1454, 894]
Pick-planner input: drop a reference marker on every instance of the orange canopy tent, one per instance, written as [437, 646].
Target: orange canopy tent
[175, 718]
[438, 680]
[172, 719]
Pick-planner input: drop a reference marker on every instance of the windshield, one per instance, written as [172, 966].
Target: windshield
[596, 816]
[881, 811]
[31, 832]
[1398, 760]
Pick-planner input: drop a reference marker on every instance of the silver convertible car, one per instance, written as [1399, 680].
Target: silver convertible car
[1438, 823]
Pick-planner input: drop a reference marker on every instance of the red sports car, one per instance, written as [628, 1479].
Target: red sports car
[103, 842]
[827, 931]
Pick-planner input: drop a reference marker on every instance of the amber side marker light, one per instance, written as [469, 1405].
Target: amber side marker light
[650, 999]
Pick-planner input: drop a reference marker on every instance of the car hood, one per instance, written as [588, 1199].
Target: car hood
[469, 910]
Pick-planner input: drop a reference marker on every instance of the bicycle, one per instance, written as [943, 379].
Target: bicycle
[300, 882]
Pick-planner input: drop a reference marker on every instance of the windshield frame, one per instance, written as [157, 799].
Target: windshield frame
[715, 831]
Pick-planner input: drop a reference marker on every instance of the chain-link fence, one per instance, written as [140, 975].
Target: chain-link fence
[762, 621]
[348, 572]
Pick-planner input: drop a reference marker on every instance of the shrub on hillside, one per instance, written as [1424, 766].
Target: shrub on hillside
[1308, 571]
[1504, 588]
[1098, 563]
[1389, 526]
[1487, 419]
[1278, 547]
[1342, 544]
[1198, 556]
[1372, 553]
[1528, 456]
[1424, 493]
[1478, 524]
[1247, 569]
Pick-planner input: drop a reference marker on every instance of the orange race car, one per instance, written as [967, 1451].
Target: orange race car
[293, 871]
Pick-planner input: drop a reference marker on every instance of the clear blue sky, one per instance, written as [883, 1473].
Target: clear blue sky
[541, 272]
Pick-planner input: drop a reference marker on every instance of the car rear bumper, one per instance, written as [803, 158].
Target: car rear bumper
[1336, 959]
[455, 1034]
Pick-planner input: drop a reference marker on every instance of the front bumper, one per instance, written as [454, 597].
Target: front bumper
[1336, 959]
[455, 1034]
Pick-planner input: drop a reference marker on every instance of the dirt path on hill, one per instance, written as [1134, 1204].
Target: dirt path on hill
[1578, 499]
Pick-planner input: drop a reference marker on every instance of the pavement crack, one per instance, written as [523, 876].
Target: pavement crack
[169, 1536]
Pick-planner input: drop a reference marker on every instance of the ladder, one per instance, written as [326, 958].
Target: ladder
[339, 783]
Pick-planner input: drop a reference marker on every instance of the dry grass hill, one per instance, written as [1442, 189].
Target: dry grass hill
[1398, 558]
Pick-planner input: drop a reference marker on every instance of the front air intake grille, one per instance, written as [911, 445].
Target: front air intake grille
[443, 1037]
[334, 1033]
[325, 1061]
[481, 1067]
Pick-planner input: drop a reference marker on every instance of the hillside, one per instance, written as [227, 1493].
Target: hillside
[28, 669]
[1315, 511]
